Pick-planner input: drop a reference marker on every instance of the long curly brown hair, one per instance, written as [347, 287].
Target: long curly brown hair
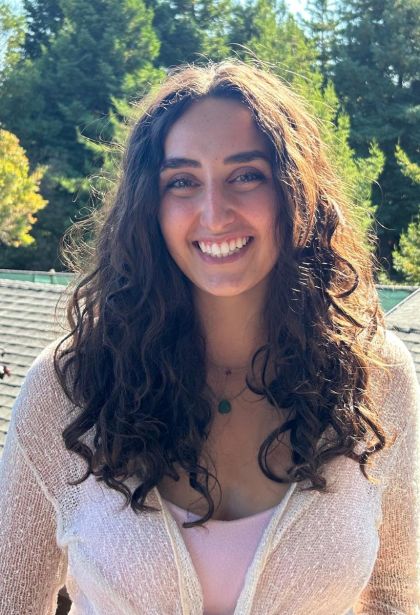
[134, 362]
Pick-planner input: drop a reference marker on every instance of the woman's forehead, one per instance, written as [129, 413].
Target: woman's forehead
[214, 125]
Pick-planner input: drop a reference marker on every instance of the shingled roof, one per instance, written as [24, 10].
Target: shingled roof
[31, 313]
[404, 319]
[29, 319]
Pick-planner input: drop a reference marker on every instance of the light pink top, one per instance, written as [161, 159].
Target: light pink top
[221, 552]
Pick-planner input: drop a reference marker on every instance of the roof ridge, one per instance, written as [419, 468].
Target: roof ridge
[406, 299]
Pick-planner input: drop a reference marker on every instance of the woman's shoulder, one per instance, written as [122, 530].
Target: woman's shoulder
[42, 409]
[41, 392]
[394, 352]
[394, 383]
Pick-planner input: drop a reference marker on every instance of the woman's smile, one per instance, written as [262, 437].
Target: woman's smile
[222, 252]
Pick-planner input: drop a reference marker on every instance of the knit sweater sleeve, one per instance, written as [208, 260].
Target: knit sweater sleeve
[394, 586]
[32, 566]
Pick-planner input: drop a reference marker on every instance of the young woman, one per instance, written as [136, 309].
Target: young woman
[228, 377]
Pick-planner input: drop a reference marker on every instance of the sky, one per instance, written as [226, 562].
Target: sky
[296, 6]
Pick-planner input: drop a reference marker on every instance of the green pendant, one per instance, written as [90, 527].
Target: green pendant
[224, 406]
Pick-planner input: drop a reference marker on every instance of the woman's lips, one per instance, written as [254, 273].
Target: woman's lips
[220, 260]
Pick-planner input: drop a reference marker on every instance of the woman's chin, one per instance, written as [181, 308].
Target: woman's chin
[230, 290]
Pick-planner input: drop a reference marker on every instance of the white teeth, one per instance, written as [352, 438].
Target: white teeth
[215, 249]
[224, 249]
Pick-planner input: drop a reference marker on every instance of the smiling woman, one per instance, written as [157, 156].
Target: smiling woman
[228, 377]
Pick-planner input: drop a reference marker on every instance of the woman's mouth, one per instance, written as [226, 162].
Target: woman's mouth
[224, 249]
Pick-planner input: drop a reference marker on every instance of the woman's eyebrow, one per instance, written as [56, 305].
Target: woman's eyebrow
[176, 163]
[254, 154]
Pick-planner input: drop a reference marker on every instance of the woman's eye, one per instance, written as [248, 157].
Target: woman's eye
[180, 183]
[249, 176]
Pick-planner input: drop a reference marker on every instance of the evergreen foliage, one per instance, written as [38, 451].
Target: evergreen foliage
[408, 168]
[407, 256]
[73, 69]
[19, 192]
[377, 76]
[266, 31]
[12, 36]
[95, 52]
[321, 27]
[44, 20]
[191, 31]
[358, 174]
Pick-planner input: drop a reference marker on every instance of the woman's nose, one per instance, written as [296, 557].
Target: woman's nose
[216, 210]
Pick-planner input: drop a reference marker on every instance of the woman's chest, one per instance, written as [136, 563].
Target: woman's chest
[324, 549]
[123, 563]
[236, 457]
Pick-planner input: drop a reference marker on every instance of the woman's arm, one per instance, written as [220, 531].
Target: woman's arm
[393, 588]
[32, 567]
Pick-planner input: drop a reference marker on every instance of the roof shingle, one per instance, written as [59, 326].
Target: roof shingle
[404, 319]
[30, 317]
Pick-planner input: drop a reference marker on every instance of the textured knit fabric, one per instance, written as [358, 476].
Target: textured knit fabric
[351, 550]
[221, 553]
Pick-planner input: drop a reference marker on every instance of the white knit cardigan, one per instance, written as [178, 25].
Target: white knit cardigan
[353, 550]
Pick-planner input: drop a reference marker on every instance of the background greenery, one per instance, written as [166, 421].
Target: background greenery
[71, 70]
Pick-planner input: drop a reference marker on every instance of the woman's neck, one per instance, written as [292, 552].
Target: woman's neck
[233, 327]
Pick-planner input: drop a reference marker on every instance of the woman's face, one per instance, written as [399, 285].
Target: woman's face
[218, 202]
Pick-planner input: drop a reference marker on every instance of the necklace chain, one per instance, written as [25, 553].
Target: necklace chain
[224, 404]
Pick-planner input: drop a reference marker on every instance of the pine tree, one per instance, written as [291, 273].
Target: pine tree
[44, 21]
[265, 30]
[408, 168]
[321, 27]
[191, 31]
[377, 75]
[12, 36]
[59, 99]
[407, 256]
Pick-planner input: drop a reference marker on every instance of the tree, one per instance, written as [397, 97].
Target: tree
[321, 27]
[265, 30]
[71, 72]
[408, 168]
[19, 192]
[191, 31]
[377, 76]
[44, 21]
[359, 174]
[12, 36]
[407, 256]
